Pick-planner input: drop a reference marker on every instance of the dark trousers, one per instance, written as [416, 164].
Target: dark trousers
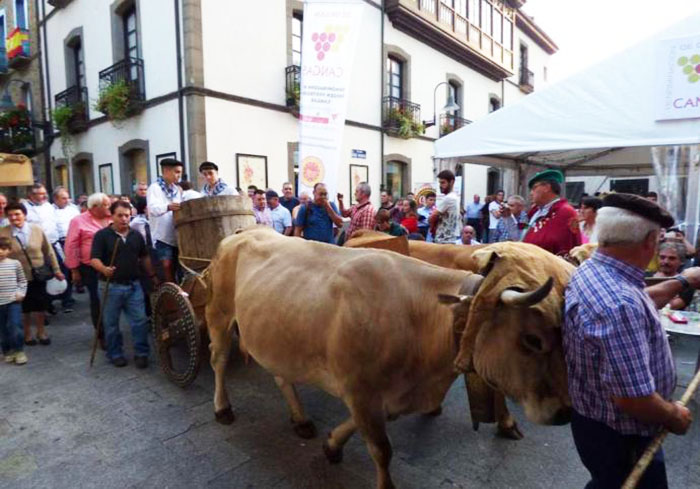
[67, 296]
[88, 276]
[610, 456]
[476, 224]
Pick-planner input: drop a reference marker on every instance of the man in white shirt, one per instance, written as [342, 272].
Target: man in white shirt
[41, 212]
[164, 197]
[445, 218]
[214, 185]
[495, 215]
[468, 236]
[65, 211]
[281, 217]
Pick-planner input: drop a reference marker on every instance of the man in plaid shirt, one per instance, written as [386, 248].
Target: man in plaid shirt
[361, 214]
[620, 369]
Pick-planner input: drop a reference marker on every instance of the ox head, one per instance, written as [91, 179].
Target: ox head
[512, 328]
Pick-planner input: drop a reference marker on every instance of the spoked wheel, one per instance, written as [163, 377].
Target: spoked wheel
[177, 335]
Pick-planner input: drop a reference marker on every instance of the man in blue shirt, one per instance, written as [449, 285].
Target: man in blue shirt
[620, 370]
[473, 214]
[315, 221]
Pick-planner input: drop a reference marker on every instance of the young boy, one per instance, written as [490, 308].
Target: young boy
[13, 288]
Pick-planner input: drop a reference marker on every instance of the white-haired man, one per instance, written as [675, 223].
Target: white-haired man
[361, 214]
[81, 232]
[64, 211]
[620, 370]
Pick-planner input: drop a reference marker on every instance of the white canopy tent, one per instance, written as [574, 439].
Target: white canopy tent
[601, 121]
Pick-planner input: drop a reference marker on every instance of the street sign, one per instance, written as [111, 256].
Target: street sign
[359, 153]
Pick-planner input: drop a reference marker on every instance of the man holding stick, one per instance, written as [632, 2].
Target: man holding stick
[620, 369]
[117, 251]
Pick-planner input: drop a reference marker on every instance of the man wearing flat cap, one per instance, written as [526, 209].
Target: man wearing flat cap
[621, 373]
[213, 184]
[163, 197]
[550, 218]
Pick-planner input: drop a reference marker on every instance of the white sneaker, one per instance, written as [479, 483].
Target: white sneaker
[10, 357]
[20, 358]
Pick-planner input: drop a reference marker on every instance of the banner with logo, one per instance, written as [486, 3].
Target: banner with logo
[327, 55]
[678, 79]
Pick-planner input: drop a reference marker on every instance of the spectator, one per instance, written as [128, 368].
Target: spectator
[164, 197]
[653, 196]
[424, 215]
[64, 211]
[671, 259]
[214, 185]
[141, 190]
[262, 213]
[316, 219]
[397, 211]
[32, 249]
[113, 198]
[485, 218]
[589, 210]
[281, 217]
[82, 199]
[251, 191]
[446, 217]
[551, 215]
[468, 236]
[473, 212]
[517, 209]
[13, 288]
[304, 199]
[83, 206]
[386, 225]
[140, 224]
[3, 217]
[288, 200]
[512, 220]
[42, 213]
[189, 193]
[495, 208]
[125, 292]
[410, 219]
[81, 232]
[361, 214]
[386, 200]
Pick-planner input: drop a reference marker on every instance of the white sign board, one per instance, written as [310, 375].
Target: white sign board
[678, 79]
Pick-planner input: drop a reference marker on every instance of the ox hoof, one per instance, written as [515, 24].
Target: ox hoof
[305, 429]
[334, 455]
[225, 416]
[435, 412]
[510, 432]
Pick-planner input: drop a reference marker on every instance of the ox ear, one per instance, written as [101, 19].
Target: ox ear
[485, 260]
[454, 299]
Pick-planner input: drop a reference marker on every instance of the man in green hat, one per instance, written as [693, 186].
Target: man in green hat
[551, 216]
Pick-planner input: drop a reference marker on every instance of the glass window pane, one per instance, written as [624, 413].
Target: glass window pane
[497, 19]
[19, 14]
[473, 12]
[508, 34]
[486, 17]
[131, 21]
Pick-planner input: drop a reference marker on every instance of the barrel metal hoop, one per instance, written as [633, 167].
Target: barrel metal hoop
[214, 214]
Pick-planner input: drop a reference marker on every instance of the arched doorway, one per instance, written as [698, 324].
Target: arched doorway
[133, 162]
[83, 182]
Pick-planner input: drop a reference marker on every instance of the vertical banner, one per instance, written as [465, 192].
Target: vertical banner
[327, 55]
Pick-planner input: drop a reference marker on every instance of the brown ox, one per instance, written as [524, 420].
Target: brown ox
[384, 357]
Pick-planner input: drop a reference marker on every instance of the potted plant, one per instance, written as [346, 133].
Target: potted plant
[16, 133]
[294, 95]
[62, 118]
[404, 124]
[115, 101]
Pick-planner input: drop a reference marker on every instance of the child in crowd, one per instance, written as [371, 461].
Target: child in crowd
[13, 288]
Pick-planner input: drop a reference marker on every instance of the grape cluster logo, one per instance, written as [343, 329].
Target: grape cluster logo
[691, 67]
[327, 41]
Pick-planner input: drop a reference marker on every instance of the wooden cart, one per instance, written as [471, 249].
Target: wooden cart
[179, 326]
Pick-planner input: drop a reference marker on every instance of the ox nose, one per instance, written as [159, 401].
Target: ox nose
[563, 416]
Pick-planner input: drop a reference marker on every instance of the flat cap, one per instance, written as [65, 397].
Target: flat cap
[642, 207]
[271, 194]
[208, 165]
[170, 162]
[546, 175]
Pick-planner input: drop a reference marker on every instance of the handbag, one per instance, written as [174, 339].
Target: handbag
[43, 273]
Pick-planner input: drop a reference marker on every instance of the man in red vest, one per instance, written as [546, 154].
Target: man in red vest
[551, 215]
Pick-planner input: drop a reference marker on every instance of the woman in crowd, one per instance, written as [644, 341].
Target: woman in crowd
[588, 212]
[410, 216]
[3, 216]
[31, 248]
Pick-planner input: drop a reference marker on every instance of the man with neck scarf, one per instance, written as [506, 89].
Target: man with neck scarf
[164, 196]
[214, 185]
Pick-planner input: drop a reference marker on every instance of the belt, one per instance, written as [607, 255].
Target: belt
[121, 282]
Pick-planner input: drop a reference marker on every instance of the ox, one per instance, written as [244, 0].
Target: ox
[385, 357]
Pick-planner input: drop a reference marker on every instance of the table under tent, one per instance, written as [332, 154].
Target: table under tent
[636, 114]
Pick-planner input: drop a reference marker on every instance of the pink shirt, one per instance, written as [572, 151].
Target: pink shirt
[81, 230]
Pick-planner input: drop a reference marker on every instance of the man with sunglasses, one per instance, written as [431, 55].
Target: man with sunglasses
[551, 215]
[315, 220]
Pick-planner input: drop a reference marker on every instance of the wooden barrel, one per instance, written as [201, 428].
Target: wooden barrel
[202, 223]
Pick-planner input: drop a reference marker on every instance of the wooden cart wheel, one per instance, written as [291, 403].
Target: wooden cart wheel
[177, 336]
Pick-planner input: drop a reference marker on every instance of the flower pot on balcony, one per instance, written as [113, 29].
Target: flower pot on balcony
[119, 101]
[398, 123]
[16, 132]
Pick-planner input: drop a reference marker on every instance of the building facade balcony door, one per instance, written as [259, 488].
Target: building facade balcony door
[134, 171]
[83, 179]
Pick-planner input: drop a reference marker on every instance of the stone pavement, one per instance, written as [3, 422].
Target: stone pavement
[63, 425]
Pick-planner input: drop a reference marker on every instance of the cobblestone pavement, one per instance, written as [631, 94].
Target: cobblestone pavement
[63, 425]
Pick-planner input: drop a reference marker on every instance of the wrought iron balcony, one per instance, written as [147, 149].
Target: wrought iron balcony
[527, 80]
[293, 85]
[17, 131]
[75, 98]
[450, 123]
[18, 52]
[125, 78]
[58, 3]
[401, 118]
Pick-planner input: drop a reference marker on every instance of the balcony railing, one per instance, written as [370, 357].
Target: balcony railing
[18, 53]
[17, 132]
[293, 85]
[77, 99]
[527, 80]
[125, 76]
[401, 118]
[4, 68]
[450, 123]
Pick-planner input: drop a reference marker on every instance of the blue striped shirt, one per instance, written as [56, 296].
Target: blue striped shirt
[614, 343]
[12, 281]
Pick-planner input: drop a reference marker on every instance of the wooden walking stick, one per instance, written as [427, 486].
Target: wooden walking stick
[98, 328]
[648, 455]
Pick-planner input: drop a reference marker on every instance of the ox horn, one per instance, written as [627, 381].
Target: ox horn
[526, 299]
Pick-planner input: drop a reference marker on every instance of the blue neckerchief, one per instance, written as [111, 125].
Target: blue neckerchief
[218, 188]
[170, 190]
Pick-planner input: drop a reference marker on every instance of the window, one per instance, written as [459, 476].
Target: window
[131, 38]
[497, 26]
[508, 33]
[297, 31]
[473, 11]
[26, 94]
[3, 28]
[78, 63]
[393, 178]
[494, 103]
[21, 14]
[486, 17]
[394, 78]
[523, 56]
